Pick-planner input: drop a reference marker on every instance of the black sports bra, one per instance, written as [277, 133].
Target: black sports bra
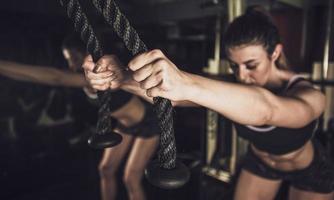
[278, 140]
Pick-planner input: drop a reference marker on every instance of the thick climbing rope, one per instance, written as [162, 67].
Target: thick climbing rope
[74, 11]
[163, 107]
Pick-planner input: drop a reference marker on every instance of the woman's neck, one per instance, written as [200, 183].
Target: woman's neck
[278, 80]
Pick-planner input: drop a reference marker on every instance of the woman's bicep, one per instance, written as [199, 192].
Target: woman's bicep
[299, 109]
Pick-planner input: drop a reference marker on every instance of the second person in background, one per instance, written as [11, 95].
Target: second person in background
[136, 120]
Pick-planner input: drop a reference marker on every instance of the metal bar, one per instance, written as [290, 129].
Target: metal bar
[323, 82]
[212, 116]
[325, 63]
[304, 29]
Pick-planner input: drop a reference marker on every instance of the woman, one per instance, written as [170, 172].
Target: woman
[136, 121]
[271, 106]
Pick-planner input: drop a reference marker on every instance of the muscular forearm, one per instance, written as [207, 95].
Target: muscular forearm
[15, 71]
[43, 75]
[133, 87]
[229, 99]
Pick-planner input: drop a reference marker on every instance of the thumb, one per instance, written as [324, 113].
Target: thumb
[157, 92]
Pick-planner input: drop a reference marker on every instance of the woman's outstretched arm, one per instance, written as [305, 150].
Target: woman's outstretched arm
[41, 74]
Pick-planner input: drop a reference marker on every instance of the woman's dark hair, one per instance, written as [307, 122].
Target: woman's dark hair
[255, 27]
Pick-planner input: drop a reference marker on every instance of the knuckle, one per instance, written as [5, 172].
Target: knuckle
[102, 62]
[156, 52]
[161, 63]
[85, 65]
[136, 77]
[132, 66]
[108, 58]
[158, 77]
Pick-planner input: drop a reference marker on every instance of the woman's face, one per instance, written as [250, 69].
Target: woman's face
[73, 58]
[251, 64]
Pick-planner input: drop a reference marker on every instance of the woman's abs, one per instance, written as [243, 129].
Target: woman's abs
[296, 160]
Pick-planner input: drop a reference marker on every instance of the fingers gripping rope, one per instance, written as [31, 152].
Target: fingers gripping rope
[105, 124]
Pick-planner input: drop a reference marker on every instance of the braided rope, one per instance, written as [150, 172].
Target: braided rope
[162, 107]
[82, 25]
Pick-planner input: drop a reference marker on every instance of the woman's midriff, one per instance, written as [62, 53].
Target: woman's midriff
[296, 160]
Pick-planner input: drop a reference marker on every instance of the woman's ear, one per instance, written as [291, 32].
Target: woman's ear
[277, 52]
